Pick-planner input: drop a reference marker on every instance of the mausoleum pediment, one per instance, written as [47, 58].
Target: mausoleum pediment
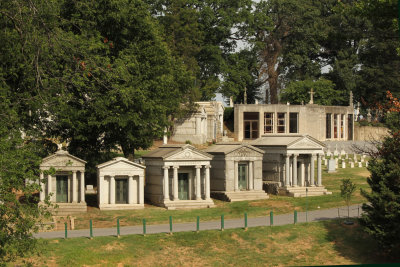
[305, 143]
[188, 154]
[62, 159]
[120, 163]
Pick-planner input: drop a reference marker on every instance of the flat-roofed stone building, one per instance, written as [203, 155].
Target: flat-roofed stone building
[289, 163]
[236, 172]
[120, 184]
[178, 176]
[324, 123]
[66, 187]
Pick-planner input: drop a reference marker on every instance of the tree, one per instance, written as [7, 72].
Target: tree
[347, 189]
[381, 215]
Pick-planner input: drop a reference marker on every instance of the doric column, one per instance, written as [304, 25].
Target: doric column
[207, 182]
[287, 170]
[74, 188]
[42, 188]
[319, 170]
[49, 185]
[141, 189]
[82, 187]
[176, 182]
[236, 177]
[112, 190]
[302, 180]
[294, 182]
[166, 184]
[312, 168]
[198, 184]
[130, 190]
[251, 175]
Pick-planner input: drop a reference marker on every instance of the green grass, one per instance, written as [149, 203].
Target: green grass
[321, 243]
[279, 204]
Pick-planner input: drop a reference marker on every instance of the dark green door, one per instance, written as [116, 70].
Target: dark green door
[62, 188]
[242, 176]
[183, 186]
[121, 186]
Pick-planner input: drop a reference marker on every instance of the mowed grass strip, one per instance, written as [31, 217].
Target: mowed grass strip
[319, 243]
[279, 204]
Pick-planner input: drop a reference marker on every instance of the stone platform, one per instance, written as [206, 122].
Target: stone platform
[121, 206]
[240, 195]
[69, 208]
[301, 191]
[188, 204]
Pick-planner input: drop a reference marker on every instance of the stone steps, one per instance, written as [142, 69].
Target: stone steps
[69, 208]
[189, 204]
[246, 195]
[301, 191]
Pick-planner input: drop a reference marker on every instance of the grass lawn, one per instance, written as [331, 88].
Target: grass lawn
[279, 204]
[320, 243]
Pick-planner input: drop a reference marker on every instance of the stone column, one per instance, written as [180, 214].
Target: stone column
[302, 180]
[49, 185]
[198, 125]
[42, 187]
[166, 184]
[74, 188]
[198, 184]
[312, 167]
[287, 170]
[141, 189]
[175, 182]
[207, 182]
[112, 190]
[236, 177]
[294, 182]
[319, 170]
[251, 175]
[82, 187]
[130, 189]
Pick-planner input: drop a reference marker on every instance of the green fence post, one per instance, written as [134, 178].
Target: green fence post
[66, 230]
[91, 229]
[222, 222]
[144, 226]
[170, 224]
[198, 224]
[271, 218]
[118, 232]
[295, 216]
[245, 221]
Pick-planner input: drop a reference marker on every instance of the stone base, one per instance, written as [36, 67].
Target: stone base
[233, 196]
[301, 191]
[120, 206]
[187, 204]
[68, 208]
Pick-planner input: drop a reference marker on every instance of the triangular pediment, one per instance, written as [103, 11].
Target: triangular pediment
[189, 154]
[62, 159]
[246, 151]
[120, 163]
[305, 143]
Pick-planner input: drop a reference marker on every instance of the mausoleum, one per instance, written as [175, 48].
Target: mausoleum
[289, 164]
[67, 186]
[236, 172]
[178, 176]
[120, 184]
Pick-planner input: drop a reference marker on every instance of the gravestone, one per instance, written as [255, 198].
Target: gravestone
[351, 164]
[332, 165]
[355, 157]
[346, 156]
[343, 165]
[336, 152]
[325, 162]
[360, 164]
[90, 189]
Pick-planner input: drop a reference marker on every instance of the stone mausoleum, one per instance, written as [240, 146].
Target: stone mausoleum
[236, 172]
[289, 164]
[178, 176]
[66, 187]
[120, 184]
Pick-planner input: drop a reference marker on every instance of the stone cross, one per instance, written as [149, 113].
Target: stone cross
[311, 96]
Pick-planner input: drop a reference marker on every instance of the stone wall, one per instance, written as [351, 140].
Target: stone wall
[368, 133]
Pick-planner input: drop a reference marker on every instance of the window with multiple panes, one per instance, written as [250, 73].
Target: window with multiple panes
[350, 127]
[281, 122]
[342, 126]
[293, 122]
[335, 126]
[268, 122]
[328, 125]
[250, 125]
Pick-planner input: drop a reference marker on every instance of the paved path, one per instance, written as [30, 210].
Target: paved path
[283, 219]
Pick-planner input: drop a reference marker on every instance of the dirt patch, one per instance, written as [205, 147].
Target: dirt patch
[113, 246]
[271, 203]
[364, 173]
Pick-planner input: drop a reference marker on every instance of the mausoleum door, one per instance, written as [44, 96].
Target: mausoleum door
[62, 188]
[121, 195]
[183, 186]
[242, 173]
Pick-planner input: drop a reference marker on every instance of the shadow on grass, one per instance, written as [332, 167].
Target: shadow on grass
[351, 242]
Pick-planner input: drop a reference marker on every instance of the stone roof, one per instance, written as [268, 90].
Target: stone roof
[120, 159]
[59, 154]
[166, 151]
[283, 140]
[226, 148]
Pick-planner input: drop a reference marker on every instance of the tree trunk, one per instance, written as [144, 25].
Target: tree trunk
[129, 152]
[271, 54]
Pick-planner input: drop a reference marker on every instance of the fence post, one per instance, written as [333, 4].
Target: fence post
[118, 232]
[170, 224]
[198, 224]
[66, 231]
[271, 218]
[144, 226]
[222, 222]
[295, 216]
[245, 221]
[91, 229]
